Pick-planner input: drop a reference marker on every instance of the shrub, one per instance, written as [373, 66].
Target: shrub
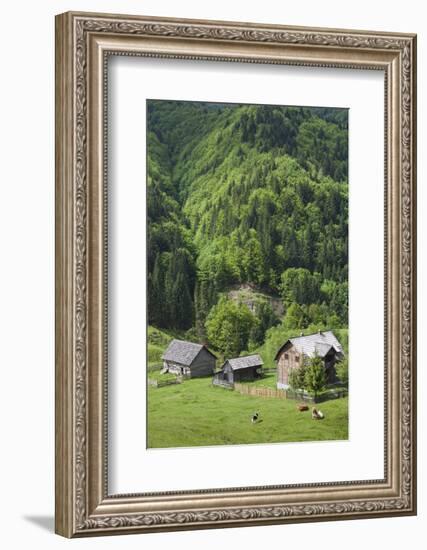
[342, 370]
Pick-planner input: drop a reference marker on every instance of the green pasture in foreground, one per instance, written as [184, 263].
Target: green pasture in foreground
[197, 413]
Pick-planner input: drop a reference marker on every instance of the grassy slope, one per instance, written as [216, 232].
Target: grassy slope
[197, 413]
[158, 341]
[267, 381]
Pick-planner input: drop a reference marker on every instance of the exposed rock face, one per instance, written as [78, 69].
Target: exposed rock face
[251, 296]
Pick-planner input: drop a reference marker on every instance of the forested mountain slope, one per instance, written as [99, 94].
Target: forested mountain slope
[246, 194]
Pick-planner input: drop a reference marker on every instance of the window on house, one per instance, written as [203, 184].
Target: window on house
[296, 358]
[286, 356]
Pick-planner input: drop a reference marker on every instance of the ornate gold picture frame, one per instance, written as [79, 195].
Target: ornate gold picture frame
[84, 42]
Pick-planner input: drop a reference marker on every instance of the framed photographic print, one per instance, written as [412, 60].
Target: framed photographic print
[235, 274]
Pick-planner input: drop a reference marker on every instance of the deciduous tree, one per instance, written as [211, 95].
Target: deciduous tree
[228, 327]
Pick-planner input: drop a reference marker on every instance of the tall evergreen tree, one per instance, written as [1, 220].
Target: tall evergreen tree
[315, 376]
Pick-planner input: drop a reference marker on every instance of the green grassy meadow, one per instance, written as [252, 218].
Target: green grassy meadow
[197, 413]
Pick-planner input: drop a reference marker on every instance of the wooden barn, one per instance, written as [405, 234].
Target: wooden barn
[297, 350]
[239, 369]
[188, 359]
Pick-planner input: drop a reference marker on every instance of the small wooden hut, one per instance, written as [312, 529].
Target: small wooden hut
[188, 359]
[239, 369]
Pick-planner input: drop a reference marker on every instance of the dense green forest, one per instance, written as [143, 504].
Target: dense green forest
[246, 195]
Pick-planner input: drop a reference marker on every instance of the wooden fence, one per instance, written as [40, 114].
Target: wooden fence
[161, 383]
[259, 391]
[300, 395]
[335, 394]
[222, 383]
[153, 368]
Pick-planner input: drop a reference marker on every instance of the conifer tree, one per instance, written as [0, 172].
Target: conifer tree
[315, 376]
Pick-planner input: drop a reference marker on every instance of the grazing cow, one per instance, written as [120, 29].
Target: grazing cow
[317, 415]
[255, 417]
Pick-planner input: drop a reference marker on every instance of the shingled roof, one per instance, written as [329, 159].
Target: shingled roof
[318, 343]
[244, 362]
[182, 352]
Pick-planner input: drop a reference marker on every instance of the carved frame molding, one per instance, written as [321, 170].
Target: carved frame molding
[83, 42]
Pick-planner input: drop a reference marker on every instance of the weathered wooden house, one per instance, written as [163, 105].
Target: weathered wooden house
[239, 369]
[301, 349]
[188, 359]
